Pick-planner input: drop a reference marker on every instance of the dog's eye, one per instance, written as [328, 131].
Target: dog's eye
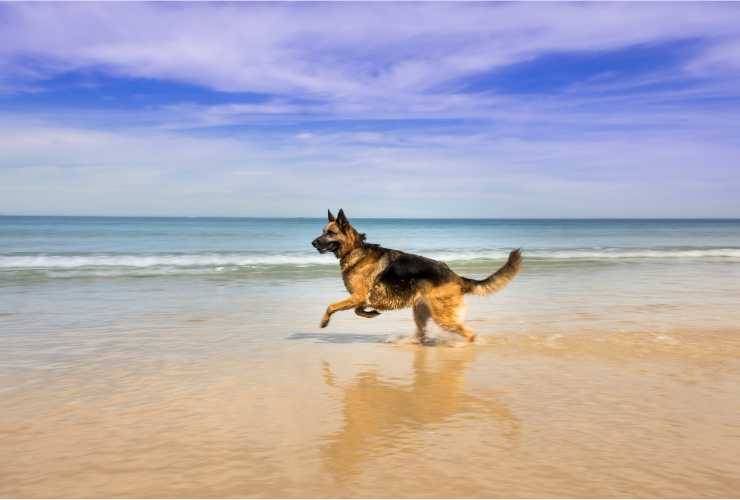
[330, 233]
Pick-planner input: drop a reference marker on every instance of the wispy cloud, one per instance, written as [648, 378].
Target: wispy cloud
[78, 171]
[334, 49]
[412, 108]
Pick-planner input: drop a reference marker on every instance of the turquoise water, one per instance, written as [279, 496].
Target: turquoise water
[73, 288]
[92, 247]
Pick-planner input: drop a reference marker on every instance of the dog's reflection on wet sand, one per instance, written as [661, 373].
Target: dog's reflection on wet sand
[380, 416]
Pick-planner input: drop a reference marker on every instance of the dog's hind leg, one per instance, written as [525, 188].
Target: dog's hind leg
[456, 326]
[448, 311]
[421, 317]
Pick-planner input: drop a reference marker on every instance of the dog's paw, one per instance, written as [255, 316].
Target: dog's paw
[324, 322]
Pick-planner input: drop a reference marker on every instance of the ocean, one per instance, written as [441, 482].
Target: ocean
[182, 357]
[109, 247]
[89, 271]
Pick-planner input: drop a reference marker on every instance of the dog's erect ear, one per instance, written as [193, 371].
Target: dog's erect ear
[331, 216]
[342, 221]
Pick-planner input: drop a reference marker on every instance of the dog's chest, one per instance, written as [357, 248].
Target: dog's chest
[360, 278]
[348, 282]
[355, 282]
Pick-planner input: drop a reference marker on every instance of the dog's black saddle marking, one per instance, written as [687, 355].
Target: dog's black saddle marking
[406, 270]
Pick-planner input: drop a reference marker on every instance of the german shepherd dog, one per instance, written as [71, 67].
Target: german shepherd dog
[384, 279]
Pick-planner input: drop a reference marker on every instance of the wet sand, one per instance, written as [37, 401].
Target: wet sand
[340, 414]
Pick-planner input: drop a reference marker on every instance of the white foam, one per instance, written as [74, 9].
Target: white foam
[144, 261]
[583, 254]
[733, 253]
[220, 262]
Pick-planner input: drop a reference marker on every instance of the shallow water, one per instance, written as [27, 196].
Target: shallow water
[595, 377]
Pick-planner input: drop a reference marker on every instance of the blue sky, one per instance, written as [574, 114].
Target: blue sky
[398, 110]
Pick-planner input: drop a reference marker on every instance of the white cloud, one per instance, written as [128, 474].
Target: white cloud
[592, 150]
[52, 170]
[722, 58]
[335, 51]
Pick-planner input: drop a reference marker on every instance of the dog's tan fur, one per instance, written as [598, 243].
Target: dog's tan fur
[384, 279]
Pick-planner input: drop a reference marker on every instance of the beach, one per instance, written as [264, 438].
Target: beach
[183, 357]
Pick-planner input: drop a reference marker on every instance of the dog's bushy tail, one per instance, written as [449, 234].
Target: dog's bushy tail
[497, 280]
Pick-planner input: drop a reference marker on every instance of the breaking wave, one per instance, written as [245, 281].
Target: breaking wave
[170, 260]
[112, 265]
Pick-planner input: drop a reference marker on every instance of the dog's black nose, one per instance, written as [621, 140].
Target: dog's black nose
[315, 243]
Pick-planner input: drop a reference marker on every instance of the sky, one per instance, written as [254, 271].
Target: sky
[385, 109]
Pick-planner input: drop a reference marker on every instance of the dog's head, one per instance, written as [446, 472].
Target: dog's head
[338, 236]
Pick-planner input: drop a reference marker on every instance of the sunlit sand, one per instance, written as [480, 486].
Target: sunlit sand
[633, 414]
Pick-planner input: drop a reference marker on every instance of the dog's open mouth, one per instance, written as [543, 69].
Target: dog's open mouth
[329, 247]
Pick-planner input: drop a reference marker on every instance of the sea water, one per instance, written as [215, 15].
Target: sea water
[65, 247]
[91, 271]
[108, 275]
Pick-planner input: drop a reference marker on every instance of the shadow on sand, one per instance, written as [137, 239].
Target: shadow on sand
[339, 338]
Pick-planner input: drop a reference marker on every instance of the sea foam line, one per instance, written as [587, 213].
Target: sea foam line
[192, 260]
[20, 262]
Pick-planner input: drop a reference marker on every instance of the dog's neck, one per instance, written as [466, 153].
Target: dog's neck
[350, 258]
[353, 242]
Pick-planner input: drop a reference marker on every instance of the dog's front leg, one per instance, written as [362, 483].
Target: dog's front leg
[342, 305]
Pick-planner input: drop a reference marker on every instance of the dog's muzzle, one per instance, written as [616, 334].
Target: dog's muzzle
[324, 246]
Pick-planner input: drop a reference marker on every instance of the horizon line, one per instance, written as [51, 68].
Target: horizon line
[357, 218]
